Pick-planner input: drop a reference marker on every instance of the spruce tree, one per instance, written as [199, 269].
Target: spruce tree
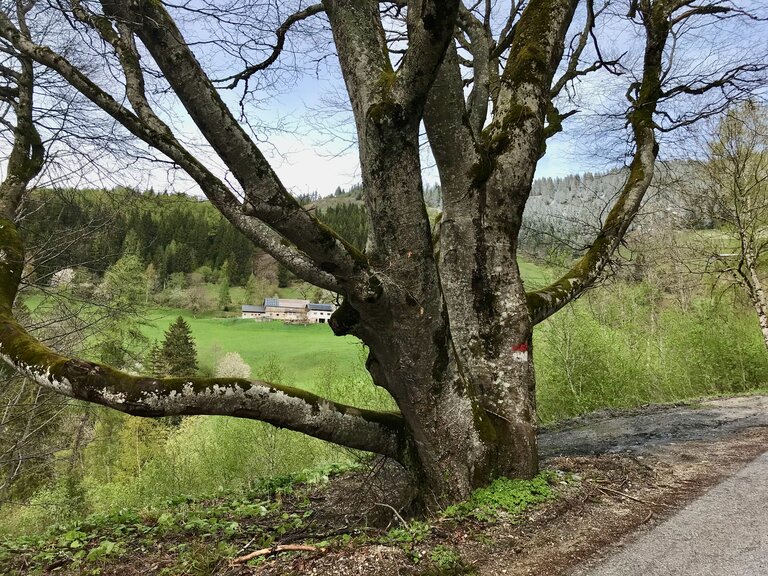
[179, 354]
[283, 276]
[155, 361]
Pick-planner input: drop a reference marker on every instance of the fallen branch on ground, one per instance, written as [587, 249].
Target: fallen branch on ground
[276, 550]
[611, 491]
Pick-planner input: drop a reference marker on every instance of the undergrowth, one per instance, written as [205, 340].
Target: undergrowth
[193, 534]
[505, 499]
[506, 496]
[198, 536]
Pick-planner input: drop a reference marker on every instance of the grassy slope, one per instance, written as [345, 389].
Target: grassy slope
[189, 536]
[301, 350]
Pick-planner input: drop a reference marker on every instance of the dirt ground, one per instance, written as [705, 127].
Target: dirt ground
[635, 468]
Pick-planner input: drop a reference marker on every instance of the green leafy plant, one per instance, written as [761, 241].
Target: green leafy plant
[445, 558]
[505, 496]
[104, 549]
[409, 534]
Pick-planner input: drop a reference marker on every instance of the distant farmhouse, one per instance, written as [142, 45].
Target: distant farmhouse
[290, 311]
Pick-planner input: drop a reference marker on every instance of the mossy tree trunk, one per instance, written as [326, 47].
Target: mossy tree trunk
[443, 311]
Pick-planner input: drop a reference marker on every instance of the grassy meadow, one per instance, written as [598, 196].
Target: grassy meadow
[302, 351]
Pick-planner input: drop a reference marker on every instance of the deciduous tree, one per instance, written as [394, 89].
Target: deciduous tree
[444, 313]
[729, 187]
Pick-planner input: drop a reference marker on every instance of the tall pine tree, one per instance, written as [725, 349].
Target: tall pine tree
[224, 296]
[179, 354]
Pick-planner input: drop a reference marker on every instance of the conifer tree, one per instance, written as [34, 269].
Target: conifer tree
[224, 295]
[179, 354]
[155, 361]
[151, 278]
[283, 276]
[251, 290]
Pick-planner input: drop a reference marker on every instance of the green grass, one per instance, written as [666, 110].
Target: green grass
[302, 350]
[535, 276]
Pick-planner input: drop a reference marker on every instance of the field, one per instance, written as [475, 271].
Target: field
[301, 350]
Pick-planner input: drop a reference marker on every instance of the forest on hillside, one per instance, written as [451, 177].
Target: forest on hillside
[90, 230]
[179, 234]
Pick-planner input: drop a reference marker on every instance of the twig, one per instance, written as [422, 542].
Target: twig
[650, 515]
[276, 550]
[244, 548]
[619, 493]
[405, 524]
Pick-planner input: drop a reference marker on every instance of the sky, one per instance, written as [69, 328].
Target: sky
[306, 161]
[305, 168]
[308, 149]
[307, 158]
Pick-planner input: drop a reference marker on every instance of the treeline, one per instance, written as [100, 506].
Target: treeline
[90, 230]
[433, 194]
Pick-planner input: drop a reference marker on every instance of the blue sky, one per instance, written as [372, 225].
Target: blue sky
[306, 161]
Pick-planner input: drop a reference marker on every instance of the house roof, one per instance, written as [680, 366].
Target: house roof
[285, 303]
[293, 303]
[249, 308]
[320, 307]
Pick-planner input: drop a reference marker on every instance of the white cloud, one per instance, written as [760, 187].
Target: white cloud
[305, 169]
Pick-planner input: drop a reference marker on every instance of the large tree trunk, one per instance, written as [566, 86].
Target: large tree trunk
[451, 344]
[469, 419]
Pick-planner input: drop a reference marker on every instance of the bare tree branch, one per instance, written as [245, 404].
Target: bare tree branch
[281, 33]
[213, 187]
[282, 406]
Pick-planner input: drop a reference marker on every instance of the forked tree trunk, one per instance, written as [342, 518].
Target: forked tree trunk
[455, 356]
[446, 317]
[464, 429]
